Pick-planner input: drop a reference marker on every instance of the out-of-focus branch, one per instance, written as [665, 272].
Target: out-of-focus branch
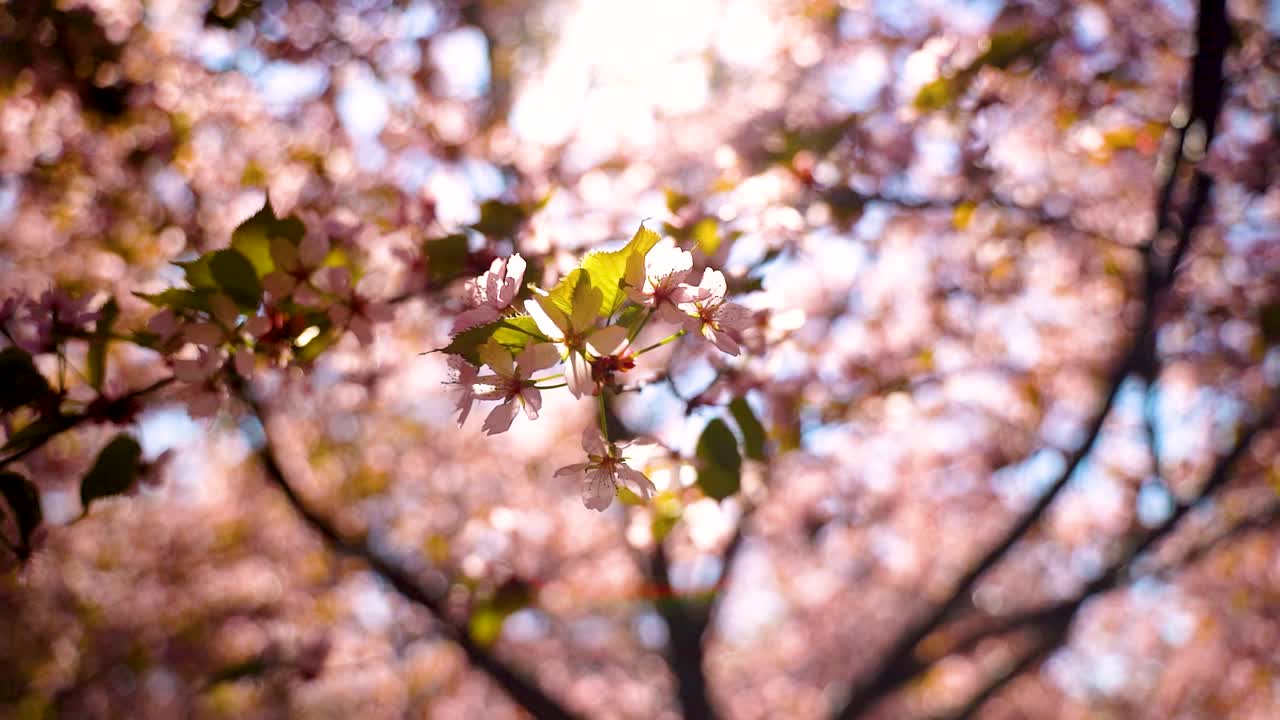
[686, 621]
[67, 422]
[1119, 570]
[520, 690]
[1213, 31]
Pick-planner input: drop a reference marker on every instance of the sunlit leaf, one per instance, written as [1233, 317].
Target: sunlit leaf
[719, 464]
[236, 276]
[253, 237]
[706, 233]
[113, 472]
[606, 270]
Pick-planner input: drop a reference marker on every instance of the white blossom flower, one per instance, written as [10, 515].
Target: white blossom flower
[605, 471]
[711, 315]
[511, 382]
[655, 281]
[492, 292]
[577, 335]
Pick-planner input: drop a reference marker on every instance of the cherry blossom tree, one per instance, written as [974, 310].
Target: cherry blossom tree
[876, 360]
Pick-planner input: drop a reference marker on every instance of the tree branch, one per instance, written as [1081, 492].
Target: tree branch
[1213, 32]
[1064, 614]
[520, 690]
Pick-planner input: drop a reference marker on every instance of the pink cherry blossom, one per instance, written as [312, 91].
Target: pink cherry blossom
[709, 314]
[656, 281]
[578, 336]
[294, 266]
[492, 292]
[511, 382]
[353, 311]
[463, 375]
[605, 471]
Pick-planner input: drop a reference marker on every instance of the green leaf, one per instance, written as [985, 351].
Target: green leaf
[500, 219]
[720, 465]
[179, 299]
[20, 382]
[236, 276]
[198, 273]
[753, 434]
[113, 472]
[24, 500]
[935, 95]
[97, 357]
[606, 272]
[1003, 50]
[36, 433]
[513, 333]
[676, 200]
[446, 257]
[253, 237]
[706, 233]
[486, 625]
[488, 616]
[667, 511]
[253, 667]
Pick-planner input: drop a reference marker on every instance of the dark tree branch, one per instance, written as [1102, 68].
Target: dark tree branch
[1213, 32]
[523, 692]
[1064, 614]
[686, 621]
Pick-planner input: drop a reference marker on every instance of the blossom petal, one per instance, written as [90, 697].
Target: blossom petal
[586, 303]
[550, 321]
[636, 482]
[538, 356]
[593, 442]
[258, 325]
[578, 375]
[721, 339]
[532, 402]
[607, 341]
[204, 333]
[313, 249]
[574, 469]
[498, 358]
[598, 490]
[733, 316]
[713, 284]
[500, 418]
[284, 254]
[474, 317]
[668, 312]
[361, 328]
[244, 362]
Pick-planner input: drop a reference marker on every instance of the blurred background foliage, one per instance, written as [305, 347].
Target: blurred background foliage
[1006, 417]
